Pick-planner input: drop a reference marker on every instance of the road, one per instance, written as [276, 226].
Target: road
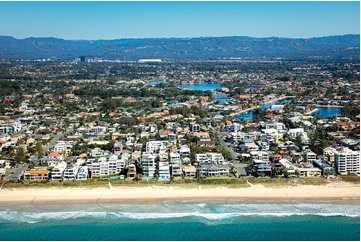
[225, 145]
[17, 172]
[57, 137]
[46, 149]
[240, 166]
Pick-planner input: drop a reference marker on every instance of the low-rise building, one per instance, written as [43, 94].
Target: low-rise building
[36, 175]
[71, 172]
[83, 173]
[58, 170]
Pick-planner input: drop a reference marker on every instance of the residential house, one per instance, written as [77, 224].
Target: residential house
[132, 171]
[177, 170]
[261, 168]
[309, 156]
[309, 171]
[189, 171]
[260, 155]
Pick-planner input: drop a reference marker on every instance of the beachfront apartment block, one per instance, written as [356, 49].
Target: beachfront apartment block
[100, 167]
[149, 164]
[58, 170]
[132, 171]
[115, 165]
[290, 168]
[309, 171]
[71, 172]
[39, 175]
[261, 168]
[163, 171]
[213, 170]
[189, 171]
[177, 170]
[82, 173]
[259, 155]
[347, 161]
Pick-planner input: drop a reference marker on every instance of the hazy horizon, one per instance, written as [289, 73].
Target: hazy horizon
[195, 37]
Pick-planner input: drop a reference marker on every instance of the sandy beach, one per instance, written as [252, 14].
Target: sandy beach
[334, 191]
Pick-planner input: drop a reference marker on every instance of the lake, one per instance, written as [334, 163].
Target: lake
[327, 112]
[249, 115]
[153, 83]
[203, 86]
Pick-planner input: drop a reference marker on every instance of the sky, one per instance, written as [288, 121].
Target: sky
[115, 20]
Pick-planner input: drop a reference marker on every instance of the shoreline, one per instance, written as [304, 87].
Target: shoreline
[252, 108]
[54, 196]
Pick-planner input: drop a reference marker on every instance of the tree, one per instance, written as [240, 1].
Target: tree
[39, 150]
[20, 155]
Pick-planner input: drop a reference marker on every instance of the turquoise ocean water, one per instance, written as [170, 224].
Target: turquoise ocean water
[183, 220]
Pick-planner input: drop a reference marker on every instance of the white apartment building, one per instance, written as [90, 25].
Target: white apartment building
[203, 159]
[148, 163]
[58, 170]
[237, 136]
[260, 155]
[309, 156]
[277, 126]
[185, 150]
[175, 158]
[347, 161]
[96, 152]
[153, 146]
[164, 171]
[71, 172]
[298, 132]
[100, 167]
[82, 173]
[64, 148]
[209, 158]
[98, 130]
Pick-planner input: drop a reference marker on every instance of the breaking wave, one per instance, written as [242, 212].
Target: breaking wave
[200, 211]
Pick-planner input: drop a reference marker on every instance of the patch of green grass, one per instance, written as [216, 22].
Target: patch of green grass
[221, 180]
[313, 181]
[351, 178]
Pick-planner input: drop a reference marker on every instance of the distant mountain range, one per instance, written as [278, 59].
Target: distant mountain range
[174, 49]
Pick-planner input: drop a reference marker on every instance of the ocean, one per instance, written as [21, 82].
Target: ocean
[225, 220]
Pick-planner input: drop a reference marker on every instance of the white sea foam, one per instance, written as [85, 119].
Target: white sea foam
[203, 211]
